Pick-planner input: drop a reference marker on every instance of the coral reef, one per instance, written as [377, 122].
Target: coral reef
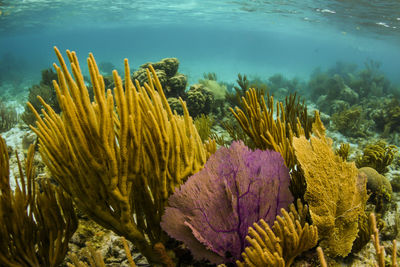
[234, 97]
[35, 223]
[378, 155]
[106, 68]
[46, 90]
[175, 105]
[199, 100]
[216, 89]
[377, 183]
[96, 259]
[355, 98]
[379, 187]
[119, 166]
[257, 120]
[380, 256]
[203, 125]
[370, 81]
[237, 187]
[8, 116]
[343, 151]
[290, 236]
[387, 117]
[351, 122]
[172, 82]
[236, 133]
[336, 193]
[280, 86]
[218, 92]
[136, 163]
[275, 131]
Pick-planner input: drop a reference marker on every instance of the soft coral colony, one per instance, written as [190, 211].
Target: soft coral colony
[138, 168]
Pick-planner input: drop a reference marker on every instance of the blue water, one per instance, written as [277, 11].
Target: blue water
[259, 38]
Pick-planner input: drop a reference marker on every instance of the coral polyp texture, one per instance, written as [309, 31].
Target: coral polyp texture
[121, 155]
[212, 211]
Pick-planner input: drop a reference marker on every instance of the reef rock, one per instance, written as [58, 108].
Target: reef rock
[173, 83]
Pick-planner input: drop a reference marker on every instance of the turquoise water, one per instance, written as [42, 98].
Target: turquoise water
[259, 38]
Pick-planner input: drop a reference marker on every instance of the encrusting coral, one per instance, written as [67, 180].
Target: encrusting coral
[336, 193]
[289, 237]
[119, 160]
[36, 224]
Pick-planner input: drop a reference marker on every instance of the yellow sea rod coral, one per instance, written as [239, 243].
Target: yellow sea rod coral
[289, 237]
[121, 155]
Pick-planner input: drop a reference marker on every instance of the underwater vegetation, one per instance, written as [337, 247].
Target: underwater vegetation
[351, 122]
[36, 220]
[44, 89]
[387, 116]
[204, 124]
[133, 161]
[152, 174]
[378, 155]
[343, 151]
[8, 116]
[360, 102]
[348, 84]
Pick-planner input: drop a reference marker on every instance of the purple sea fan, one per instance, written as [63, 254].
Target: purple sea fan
[212, 211]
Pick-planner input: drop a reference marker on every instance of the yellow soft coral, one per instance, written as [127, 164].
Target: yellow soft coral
[336, 193]
[289, 237]
[121, 155]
